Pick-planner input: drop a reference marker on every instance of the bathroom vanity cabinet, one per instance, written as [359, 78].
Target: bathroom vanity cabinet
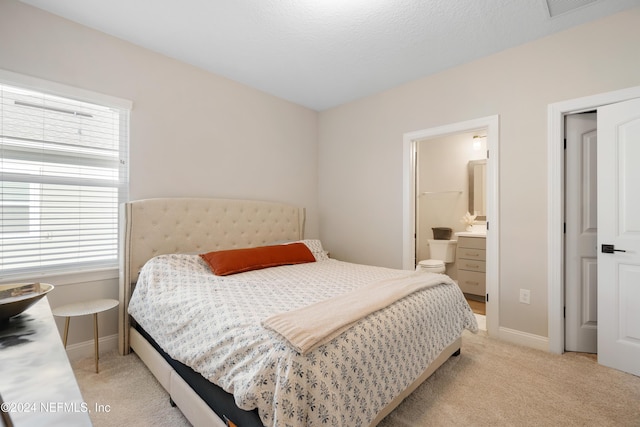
[471, 263]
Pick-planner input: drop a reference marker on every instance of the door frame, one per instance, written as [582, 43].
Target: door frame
[555, 201]
[491, 124]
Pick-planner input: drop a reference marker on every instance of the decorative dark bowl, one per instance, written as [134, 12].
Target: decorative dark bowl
[17, 297]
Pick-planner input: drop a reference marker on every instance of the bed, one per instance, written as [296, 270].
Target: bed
[209, 339]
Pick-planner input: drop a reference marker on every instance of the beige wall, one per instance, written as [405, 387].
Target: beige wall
[192, 133]
[360, 149]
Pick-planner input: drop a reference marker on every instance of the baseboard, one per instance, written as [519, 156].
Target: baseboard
[523, 338]
[87, 348]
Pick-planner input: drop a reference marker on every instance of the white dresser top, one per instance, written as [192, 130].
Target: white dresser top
[37, 384]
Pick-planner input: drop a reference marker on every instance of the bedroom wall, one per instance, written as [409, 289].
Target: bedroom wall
[360, 149]
[192, 133]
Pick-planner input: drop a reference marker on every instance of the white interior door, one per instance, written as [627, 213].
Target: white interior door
[581, 255]
[619, 227]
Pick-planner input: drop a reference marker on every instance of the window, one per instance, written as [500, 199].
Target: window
[63, 175]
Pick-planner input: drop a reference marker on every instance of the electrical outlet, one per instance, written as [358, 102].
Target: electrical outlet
[525, 296]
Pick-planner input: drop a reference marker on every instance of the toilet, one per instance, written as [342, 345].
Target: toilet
[442, 251]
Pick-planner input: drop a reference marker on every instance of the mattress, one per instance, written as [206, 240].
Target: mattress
[213, 325]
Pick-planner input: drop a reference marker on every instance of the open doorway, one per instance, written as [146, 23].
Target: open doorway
[451, 195]
[490, 125]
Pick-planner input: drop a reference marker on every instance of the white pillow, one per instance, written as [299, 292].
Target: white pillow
[314, 245]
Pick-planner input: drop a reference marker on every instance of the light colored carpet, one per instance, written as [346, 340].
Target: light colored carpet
[129, 393]
[492, 383]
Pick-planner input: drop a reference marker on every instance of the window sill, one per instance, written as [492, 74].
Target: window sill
[68, 277]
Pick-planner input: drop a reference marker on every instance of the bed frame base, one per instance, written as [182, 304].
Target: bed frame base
[200, 414]
[180, 393]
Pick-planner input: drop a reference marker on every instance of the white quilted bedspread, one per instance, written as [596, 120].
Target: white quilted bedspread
[213, 325]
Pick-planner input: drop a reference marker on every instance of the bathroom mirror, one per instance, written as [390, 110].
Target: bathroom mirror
[477, 188]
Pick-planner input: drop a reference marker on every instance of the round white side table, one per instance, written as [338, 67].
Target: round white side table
[81, 309]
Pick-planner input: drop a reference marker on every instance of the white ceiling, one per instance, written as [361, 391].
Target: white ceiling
[323, 53]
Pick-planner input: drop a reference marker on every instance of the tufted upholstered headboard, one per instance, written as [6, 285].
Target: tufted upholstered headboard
[154, 227]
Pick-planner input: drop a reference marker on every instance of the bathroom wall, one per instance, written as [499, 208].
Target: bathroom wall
[441, 169]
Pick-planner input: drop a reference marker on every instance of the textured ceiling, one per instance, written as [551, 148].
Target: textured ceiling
[323, 53]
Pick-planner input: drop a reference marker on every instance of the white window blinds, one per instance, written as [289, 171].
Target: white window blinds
[63, 175]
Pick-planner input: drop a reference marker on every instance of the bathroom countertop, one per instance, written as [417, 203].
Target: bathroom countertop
[482, 234]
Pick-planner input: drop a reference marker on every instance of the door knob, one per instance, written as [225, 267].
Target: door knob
[609, 249]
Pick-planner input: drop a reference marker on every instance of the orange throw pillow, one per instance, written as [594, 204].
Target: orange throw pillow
[232, 261]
